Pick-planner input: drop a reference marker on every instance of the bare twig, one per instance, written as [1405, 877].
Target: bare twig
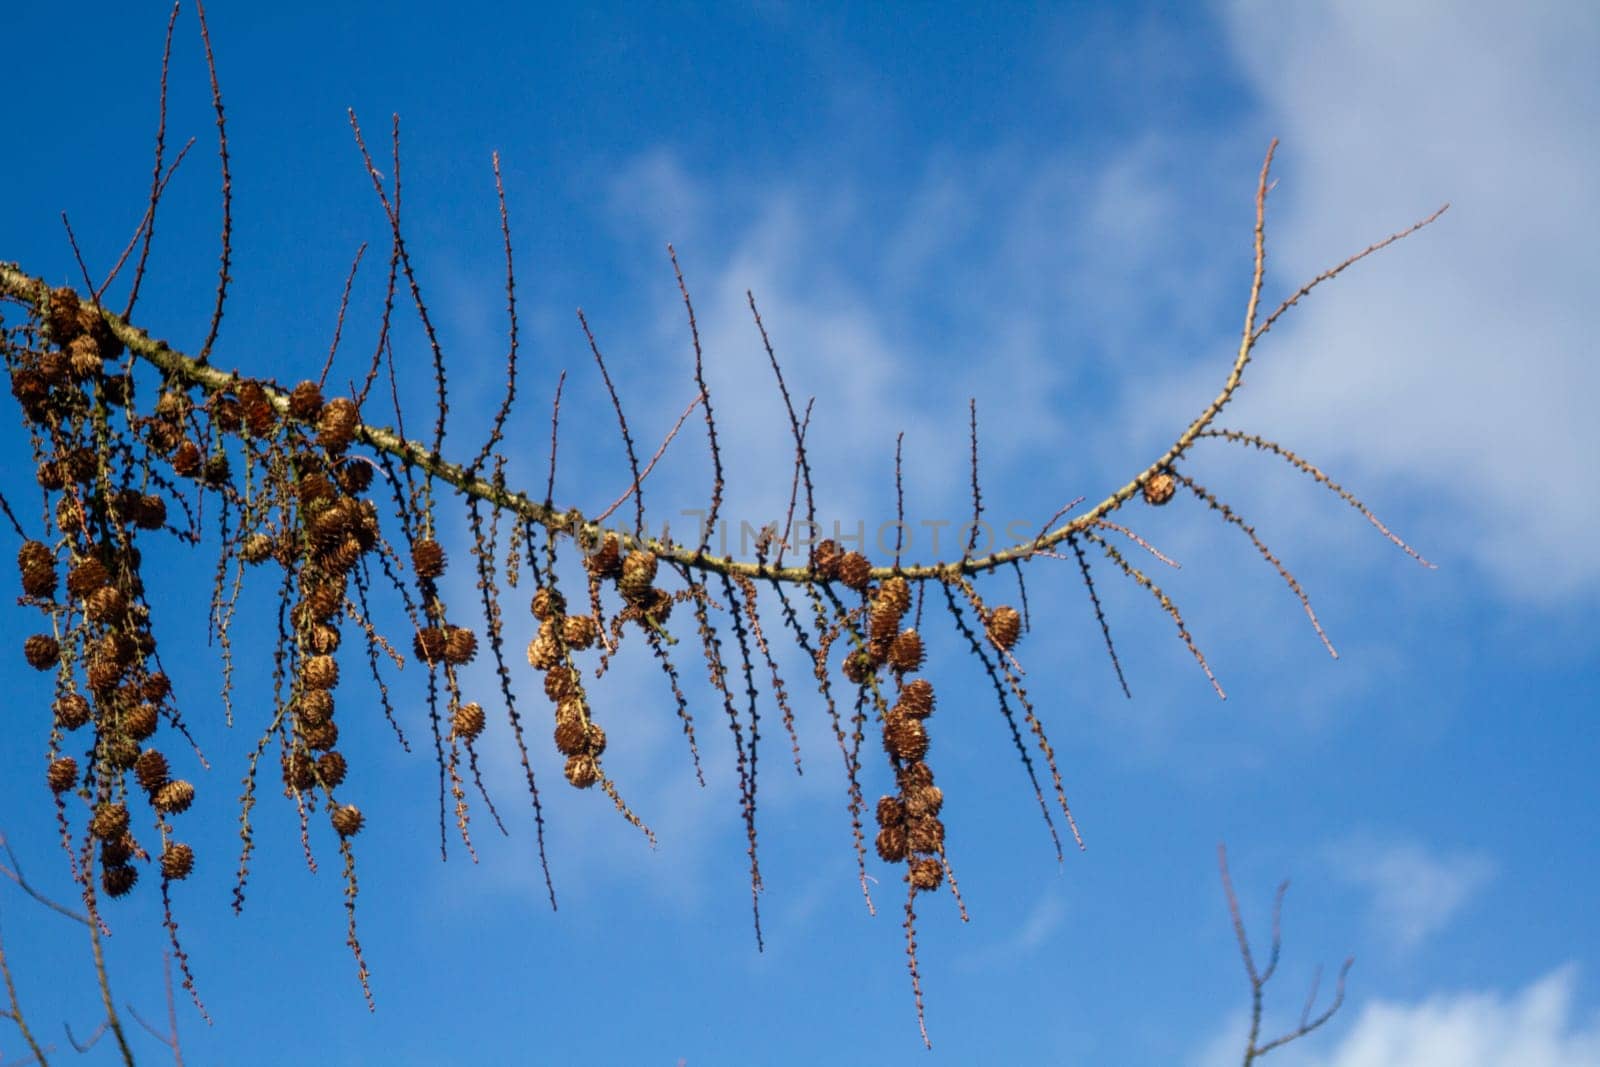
[1259, 977]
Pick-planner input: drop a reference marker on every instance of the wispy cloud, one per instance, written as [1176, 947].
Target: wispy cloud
[1532, 1027]
[1415, 892]
[1464, 370]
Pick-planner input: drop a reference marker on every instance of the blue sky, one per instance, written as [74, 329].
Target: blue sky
[1045, 209]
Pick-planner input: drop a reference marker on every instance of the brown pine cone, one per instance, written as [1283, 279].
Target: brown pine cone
[925, 874]
[346, 820]
[336, 426]
[305, 402]
[582, 771]
[549, 603]
[1005, 626]
[924, 801]
[174, 797]
[319, 672]
[427, 558]
[42, 652]
[38, 566]
[905, 737]
[177, 860]
[331, 768]
[891, 811]
[460, 645]
[118, 880]
[1160, 488]
[925, 835]
[854, 570]
[140, 721]
[891, 844]
[579, 631]
[63, 774]
[916, 699]
[905, 654]
[72, 711]
[151, 770]
[110, 821]
[825, 558]
[468, 721]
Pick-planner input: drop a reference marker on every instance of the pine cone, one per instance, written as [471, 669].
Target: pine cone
[1160, 488]
[460, 645]
[319, 672]
[118, 880]
[905, 737]
[561, 682]
[336, 427]
[63, 774]
[582, 771]
[543, 652]
[924, 801]
[549, 603]
[571, 736]
[140, 721]
[305, 402]
[914, 776]
[895, 594]
[174, 797]
[854, 570]
[891, 844]
[825, 558]
[891, 811]
[604, 562]
[925, 874]
[331, 768]
[38, 566]
[1005, 626]
[638, 575]
[151, 770]
[177, 860]
[925, 835]
[346, 820]
[916, 699]
[314, 707]
[110, 821]
[905, 654]
[468, 721]
[42, 652]
[427, 558]
[579, 631]
[322, 736]
[72, 711]
[299, 771]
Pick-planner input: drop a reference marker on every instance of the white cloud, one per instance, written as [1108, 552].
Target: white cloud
[1533, 1028]
[1530, 1028]
[1415, 892]
[1462, 366]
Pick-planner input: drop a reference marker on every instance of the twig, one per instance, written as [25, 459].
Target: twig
[1259, 978]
